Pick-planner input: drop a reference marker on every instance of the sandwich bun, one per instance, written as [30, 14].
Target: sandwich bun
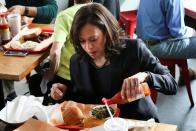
[31, 33]
[72, 115]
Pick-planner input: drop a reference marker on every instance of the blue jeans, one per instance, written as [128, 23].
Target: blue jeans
[176, 48]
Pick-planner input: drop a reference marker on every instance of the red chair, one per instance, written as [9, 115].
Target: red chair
[128, 18]
[185, 73]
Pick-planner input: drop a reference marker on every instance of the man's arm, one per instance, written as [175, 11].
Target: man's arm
[55, 54]
[47, 12]
[175, 17]
[42, 14]
[23, 10]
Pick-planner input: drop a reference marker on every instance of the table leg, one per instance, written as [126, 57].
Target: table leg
[2, 103]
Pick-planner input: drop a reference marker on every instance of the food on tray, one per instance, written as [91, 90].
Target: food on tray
[34, 40]
[26, 20]
[101, 112]
[77, 114]
[29, 45]
[31, 33]
[16, 45]
[91, 122]
[24, 46]
[72, 115]
[43, 36]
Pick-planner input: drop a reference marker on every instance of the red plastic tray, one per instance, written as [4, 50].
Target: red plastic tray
[77, 128]
[47, 43]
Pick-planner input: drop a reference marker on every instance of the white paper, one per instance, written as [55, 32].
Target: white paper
[145, 125]
[148, 123]
[24, 107]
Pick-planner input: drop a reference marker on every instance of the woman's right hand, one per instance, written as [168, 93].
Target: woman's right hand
[58, 91]
[132, 86]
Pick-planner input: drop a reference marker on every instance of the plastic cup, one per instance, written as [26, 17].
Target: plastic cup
[116, 124]
[14, 21]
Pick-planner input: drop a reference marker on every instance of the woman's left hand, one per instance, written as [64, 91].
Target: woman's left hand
[131, 86]
[58, 90]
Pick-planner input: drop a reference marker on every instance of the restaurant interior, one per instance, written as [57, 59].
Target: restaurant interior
[177, 110]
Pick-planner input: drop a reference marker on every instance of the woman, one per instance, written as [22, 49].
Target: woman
[104, 65]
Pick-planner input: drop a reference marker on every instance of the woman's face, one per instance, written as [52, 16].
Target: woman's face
[93, 41]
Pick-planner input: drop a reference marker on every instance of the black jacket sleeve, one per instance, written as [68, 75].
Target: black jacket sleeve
[160, 78]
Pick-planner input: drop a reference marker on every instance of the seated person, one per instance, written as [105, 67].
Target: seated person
[42, 11]
[160, 23]
[104, 65]
[112, 5]
[60, 52]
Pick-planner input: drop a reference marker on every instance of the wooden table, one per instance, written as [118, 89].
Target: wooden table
[156, 127]
[16, 68]
[36, 125]
[164, 127]
[190, 8]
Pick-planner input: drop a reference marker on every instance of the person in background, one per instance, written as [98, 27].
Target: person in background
[43, 11]
[160, 23]
[60, 52]
[112, 5]
[125, 63]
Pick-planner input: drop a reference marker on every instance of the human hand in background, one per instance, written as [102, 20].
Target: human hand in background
[17, 9]
[25, 21]
[132, 86]
[57, 91]
[47, 73]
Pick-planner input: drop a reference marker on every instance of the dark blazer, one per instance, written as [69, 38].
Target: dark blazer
[133, 59]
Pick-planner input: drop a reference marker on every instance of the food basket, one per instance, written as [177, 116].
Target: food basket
[89, 120]
[43, 41]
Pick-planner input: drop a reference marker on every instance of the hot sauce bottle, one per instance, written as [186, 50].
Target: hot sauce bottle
[4, 29]
[117, 99]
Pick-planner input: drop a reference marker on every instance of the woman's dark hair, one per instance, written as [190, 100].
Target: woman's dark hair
[97, 15]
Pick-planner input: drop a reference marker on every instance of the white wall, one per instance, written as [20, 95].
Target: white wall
[126, 5]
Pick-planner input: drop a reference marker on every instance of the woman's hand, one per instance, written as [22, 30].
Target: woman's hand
[58, 91]
[17, 9]
[131, 86]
